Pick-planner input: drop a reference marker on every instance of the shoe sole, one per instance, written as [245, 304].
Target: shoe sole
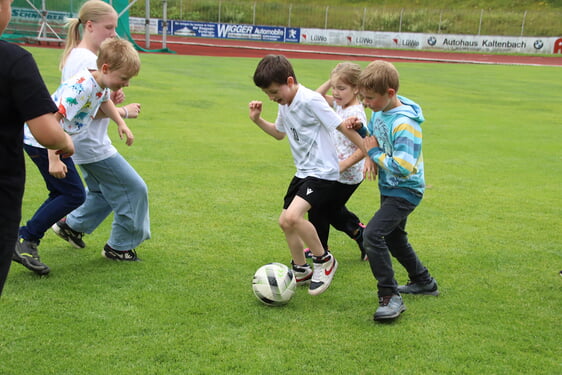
[103, 254]
[389, 317]
[42, 272]
[58, 232]
[322, 288]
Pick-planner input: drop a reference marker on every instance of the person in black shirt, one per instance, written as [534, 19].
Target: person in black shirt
[23, 98]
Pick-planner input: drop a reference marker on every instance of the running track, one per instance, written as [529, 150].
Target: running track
[237, 48]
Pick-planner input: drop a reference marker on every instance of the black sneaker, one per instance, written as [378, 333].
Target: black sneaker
[127, 255]
[27, 255]
[68, 234]
[390, 307]
[430, 288]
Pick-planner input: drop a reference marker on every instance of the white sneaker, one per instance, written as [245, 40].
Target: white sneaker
[324, 269]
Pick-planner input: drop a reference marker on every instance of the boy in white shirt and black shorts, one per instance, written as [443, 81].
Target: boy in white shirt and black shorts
[307, 120]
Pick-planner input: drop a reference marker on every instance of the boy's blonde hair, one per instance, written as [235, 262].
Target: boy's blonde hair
[119, 54]
[379, 76]
[91, 10]
[347, 72]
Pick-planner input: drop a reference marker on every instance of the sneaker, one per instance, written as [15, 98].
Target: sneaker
[390, 307]
[62, 230]
[303, 274]
[324, 269]
[27, 255]
[412, 287]
[127, 255]
[359, 239]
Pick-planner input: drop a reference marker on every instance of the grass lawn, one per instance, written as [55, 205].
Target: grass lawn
[489, 230]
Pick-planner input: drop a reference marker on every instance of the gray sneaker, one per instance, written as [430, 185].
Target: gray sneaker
[27, 255]
[390, 307]
[412, 287]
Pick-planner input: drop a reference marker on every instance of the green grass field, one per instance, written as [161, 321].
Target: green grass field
[489, 229]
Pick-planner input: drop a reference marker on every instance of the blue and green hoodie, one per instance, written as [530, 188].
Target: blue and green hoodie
[399, 155]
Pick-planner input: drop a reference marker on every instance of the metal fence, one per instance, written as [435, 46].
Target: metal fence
[444, 21]
[413, 20]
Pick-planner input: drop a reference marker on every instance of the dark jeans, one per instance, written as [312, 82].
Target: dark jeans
[65, 195]
[385, 235]
[8, 237]
[335, 213]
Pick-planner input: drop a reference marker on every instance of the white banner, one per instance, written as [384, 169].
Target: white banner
[447, 42]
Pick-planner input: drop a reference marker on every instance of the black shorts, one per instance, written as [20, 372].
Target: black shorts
[315, 191]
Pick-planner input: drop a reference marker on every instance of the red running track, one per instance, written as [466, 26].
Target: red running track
[239, 48]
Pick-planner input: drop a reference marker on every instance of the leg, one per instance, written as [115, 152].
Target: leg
[8, 237]
[65, 195]
[391, 215]
[123, 191]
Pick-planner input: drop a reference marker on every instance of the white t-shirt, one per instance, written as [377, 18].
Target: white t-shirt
[78, 100]
[308, 123]
[93, 144]
[345, 148]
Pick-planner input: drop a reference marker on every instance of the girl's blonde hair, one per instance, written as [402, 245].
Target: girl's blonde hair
[91, 10]
[347, 72]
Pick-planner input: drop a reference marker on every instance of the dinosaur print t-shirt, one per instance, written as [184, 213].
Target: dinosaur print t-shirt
[78, 100]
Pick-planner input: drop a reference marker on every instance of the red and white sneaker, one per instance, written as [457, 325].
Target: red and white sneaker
[303, 274]
[324, 269]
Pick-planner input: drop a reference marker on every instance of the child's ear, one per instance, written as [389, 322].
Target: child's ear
[290, 81]
[391, 93]
[105, 68]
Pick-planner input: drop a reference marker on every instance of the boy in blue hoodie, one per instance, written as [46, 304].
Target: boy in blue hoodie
[394, 145]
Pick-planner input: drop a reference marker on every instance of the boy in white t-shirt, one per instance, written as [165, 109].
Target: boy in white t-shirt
[307, 120]
[78, 100]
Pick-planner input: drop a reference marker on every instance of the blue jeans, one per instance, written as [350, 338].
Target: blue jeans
[114, 185]
[65, 194]
[385, 235]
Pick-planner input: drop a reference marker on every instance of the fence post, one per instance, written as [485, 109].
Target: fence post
[326, 18]
[254, 14]
[220, 8]
[290, 12]
[364, 19]
[523, 23]
[400, 26]
[480, 23]
[440, 20]
[147, 23]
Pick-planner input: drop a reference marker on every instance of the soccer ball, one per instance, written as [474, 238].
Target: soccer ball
[274, 284]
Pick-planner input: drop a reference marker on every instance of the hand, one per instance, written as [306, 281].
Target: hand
[370, 169]
[353, 123]
[132, 110]
[370, 142]
[255, 107]
[118, 96]
[57, 169]
[124, 130]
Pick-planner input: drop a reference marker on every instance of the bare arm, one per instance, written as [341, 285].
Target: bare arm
[47, 131]
[112, 112]
[323, 89]
[255, 108]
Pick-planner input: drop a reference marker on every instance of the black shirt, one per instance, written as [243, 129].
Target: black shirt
[23, 96]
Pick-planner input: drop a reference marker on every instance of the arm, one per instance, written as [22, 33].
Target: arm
[404, 158]
[255, 108]
[323, 89]
[352, 135]
[111, 111]
[353, 159]
[47, 131]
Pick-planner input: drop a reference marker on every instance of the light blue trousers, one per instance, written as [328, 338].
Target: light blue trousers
[114, 185]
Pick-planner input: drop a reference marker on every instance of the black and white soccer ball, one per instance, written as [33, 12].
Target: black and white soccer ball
[274, 284]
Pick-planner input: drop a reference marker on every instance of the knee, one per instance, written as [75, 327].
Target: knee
[287, 222]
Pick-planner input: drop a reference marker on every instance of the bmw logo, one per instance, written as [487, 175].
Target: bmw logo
[431, 40]
[538, 44]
